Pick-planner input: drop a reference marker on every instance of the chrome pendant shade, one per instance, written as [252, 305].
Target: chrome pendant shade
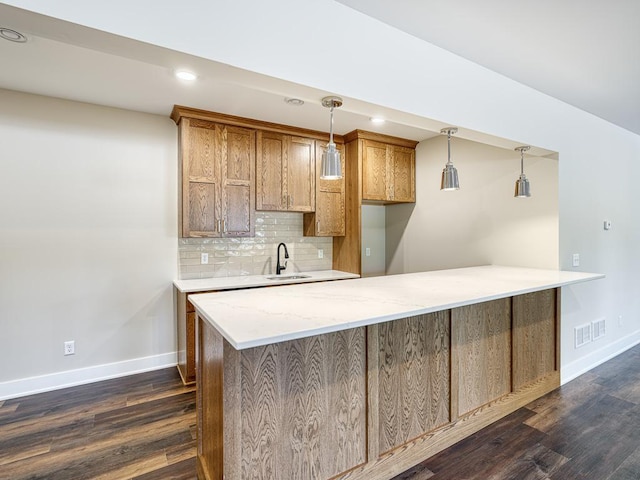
[331, 168]
[523, 188]
[449, 173]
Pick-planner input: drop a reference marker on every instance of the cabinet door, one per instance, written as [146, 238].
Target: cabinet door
[375, 175]
[237, 172]
[200, 179]
[403, 188]
[270, 160]
[300, 174]
[329, 217]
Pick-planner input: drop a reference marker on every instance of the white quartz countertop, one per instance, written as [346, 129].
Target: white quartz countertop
[250, 281]
[250, 318]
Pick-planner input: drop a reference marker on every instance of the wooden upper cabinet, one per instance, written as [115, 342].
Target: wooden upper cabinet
[285, 166]
[388, 172]
[375, 171]
[403, 174]
[329, 218]
[237, 173]
[217, 179]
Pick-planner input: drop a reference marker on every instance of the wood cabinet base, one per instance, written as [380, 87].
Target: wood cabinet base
[370, 402]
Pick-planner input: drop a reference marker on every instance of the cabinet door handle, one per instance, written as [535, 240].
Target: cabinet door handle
[290, 201]
[224, 226]
[318, 226]
[218, 226]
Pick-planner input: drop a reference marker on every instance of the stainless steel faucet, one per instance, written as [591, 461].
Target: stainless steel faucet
[280, 268]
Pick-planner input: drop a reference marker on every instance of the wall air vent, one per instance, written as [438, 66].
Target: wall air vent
[582, 335]
[598, 328]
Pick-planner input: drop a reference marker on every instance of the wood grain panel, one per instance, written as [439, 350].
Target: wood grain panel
[534, 336]
[404, 177]
[270, 176]
[238, 221]
[413, 378]
[301, 174]
[346, 249]
[203, 214]
[201, 151]
[375, 181]
[331, 222]
[239, 155]
[329, 218]
[481, 352]
[304, 407]
[209, 400]
[237, 173]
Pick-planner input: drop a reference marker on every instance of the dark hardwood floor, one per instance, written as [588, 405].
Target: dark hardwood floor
[142, 427]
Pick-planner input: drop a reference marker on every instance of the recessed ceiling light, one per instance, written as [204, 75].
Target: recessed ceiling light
[294, 101]
[377, 120]
[12, 35]
[185, 75]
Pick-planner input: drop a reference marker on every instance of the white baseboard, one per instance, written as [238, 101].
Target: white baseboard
[583, 365]
[81, 376]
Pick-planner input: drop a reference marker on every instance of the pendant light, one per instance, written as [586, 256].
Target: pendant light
[449, 173]
[523, 189]
[331, 168]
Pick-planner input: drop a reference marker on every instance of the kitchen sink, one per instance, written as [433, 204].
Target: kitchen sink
[287, 277]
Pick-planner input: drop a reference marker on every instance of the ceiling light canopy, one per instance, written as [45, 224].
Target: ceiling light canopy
[449, 179]
[523, 189]
[331, 168]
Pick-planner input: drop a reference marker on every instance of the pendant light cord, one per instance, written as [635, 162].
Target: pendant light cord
[449, 147]
[331, 126]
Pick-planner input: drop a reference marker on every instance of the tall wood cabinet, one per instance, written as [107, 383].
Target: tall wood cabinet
[379, 169]
[285, 167]
[329, 218]
[217, 185]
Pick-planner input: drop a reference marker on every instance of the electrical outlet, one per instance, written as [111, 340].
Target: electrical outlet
[204, 258]
[367, 252]
[576, 259]
[320, 253]
[70, 347]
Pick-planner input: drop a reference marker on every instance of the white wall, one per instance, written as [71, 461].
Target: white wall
[480, 224]
[88, 241]
[373, 238]
[378, 64]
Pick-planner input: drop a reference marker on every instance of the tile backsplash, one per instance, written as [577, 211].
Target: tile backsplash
[256, 255]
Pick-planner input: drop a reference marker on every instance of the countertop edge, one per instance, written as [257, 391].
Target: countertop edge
[303, 333]
[198, 285]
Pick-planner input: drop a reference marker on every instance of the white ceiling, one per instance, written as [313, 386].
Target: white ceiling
[65, 60]
[584, 52]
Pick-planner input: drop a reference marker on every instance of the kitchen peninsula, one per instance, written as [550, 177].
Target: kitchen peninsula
[365, 378]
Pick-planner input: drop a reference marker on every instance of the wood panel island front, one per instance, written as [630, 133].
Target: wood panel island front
[362, 379]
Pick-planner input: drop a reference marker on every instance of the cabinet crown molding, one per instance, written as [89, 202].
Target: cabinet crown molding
[379, 137]
[180, 111]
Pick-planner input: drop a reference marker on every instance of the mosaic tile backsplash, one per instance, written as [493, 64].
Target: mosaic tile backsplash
[257, 255]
